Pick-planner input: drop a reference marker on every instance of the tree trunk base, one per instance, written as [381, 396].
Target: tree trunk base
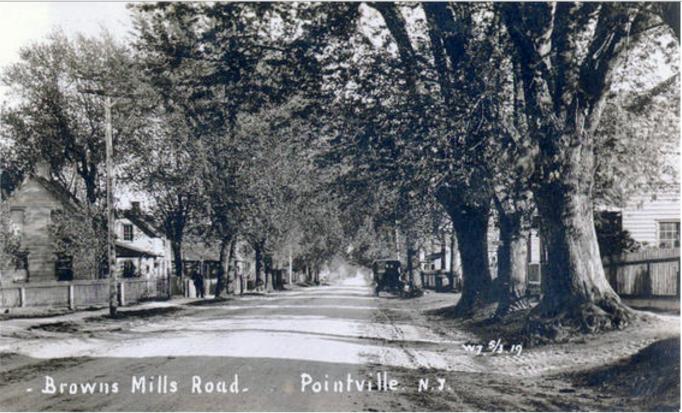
[472, 306]
[590, 318]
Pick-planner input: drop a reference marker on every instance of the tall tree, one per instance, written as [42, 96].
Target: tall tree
[58, 117]
[167, 173]
[567, 54]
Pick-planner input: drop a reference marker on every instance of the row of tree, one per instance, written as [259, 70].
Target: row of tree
[312, 129]
[500, 106]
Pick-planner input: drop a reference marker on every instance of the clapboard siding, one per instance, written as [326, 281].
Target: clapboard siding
[642, 214]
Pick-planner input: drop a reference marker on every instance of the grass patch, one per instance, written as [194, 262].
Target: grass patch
[650, 379]
[137, 314]
[59, 327]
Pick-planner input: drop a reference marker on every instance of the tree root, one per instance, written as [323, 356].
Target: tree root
[587, 318]
[516, 305]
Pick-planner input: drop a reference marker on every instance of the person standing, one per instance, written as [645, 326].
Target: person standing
[198, 280]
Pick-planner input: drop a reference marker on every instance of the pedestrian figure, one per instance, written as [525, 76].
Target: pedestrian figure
[198, 280]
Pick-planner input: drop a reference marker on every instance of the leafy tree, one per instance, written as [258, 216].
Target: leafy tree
[11, 250]
[77, 234]
[567, 53]
[211, 64]
[167, 172]
[431, 132]
[58, 118]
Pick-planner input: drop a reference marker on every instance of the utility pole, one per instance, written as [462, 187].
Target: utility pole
[397, 241]
[111, 249]
[290, 266]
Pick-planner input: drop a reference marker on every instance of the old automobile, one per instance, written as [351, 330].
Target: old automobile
[387, 276]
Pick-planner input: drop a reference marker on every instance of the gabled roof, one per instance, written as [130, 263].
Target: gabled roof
[434, 256]
[140, 221]
[199, 251]
[58, 191]
[124, 250]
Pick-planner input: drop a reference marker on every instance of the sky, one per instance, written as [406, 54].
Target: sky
[24, 22]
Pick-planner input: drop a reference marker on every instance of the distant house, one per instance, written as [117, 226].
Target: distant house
[434, 261]
[200, 257]
[141, 249]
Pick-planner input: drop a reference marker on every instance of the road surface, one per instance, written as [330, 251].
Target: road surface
[327, 348]
[280, 347]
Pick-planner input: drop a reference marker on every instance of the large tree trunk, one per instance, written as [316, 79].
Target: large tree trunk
[316, 274]
[471, 227]
[226, 254]
[89, 174]
[396, 234]
[231, 268]
[563, 120]
[258, 249]
[176, 247]
[269, 280]
[576, 292]
[443, 251]
[290, 269]
[455, 262]
[224, 259]
[410, 253]
[512, 258]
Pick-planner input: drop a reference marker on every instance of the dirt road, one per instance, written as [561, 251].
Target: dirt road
[320, 348]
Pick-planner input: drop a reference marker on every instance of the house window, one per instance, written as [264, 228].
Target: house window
[17, 218]
[668, 234]
[64, 268]
[127, 232]
[129, 269]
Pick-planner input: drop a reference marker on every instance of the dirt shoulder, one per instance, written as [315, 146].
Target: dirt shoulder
[630, 370]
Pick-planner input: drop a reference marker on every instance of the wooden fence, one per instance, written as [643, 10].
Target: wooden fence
[647, 274]
[82, 293]
[439, 280]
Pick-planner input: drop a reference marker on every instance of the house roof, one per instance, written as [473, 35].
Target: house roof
[124, 250]
[433, 256]
[140, 221]
[199, 251]
[58, 191]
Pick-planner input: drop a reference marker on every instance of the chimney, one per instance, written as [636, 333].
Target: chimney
[42, 169]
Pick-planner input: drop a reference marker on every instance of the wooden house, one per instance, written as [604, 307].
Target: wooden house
[653, 220]
[141, 249]
[32, 206]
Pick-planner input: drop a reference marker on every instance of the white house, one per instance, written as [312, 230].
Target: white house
[141, 249]
[654, 220]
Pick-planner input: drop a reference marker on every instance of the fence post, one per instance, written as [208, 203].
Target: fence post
[122, 289]
[678, 280]
[72, 300]
[650, 285]
[22, 297]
